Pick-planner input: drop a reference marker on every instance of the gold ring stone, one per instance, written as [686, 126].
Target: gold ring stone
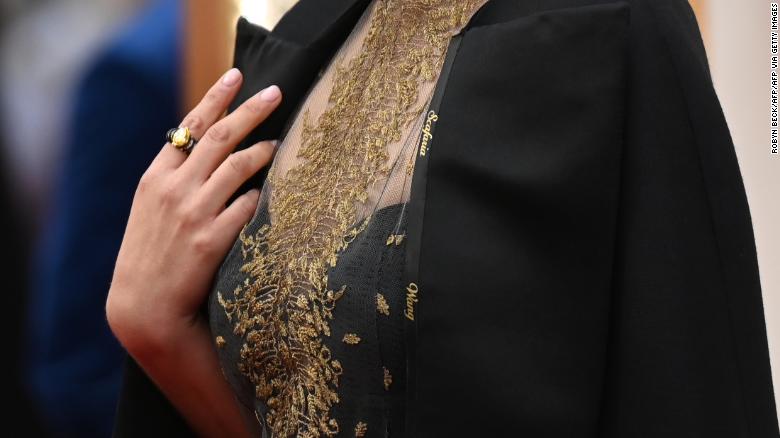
[181, 139]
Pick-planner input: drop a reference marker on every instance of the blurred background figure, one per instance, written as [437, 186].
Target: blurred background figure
[13, 268]
[88, 95]
[45, 47]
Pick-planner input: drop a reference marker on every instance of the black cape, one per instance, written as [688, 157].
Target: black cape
[583, 246]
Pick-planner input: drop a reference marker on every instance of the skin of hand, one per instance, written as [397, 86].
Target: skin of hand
[177, 234]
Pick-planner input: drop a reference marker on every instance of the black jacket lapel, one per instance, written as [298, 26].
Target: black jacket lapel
[291, 55]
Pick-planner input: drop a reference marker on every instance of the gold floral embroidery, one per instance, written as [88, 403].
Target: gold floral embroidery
[351, 339]
[220, 341]
[395, 238]
[282, 309]
[381, 305]
[387, 379]
[360, 429]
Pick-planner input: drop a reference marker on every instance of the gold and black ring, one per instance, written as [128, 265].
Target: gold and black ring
[181, 139]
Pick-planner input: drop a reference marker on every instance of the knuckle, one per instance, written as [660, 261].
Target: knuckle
[212, 97]
[239, 163]
[189, 216]
[218, 133]
[255, 106]
[168, 194]
[203, 243]
[194, 122]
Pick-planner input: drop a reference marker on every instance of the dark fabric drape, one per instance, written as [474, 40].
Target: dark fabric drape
[688, 353]
[587, 265]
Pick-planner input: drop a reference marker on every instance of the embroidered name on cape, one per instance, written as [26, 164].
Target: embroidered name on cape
[411, 300]
[427, 132]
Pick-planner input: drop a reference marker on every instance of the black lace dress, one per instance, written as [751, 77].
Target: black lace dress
[366, 329]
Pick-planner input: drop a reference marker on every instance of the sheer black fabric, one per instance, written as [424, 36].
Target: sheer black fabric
[367, 267]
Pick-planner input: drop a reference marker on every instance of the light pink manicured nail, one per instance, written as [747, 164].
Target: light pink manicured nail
[231, 77]
[270, 94]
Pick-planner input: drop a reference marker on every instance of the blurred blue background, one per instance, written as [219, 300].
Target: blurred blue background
[88, 89]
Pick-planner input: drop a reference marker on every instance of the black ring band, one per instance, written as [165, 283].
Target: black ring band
[186, 146]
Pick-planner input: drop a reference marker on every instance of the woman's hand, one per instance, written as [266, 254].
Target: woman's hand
[179, 229]
[178, 232]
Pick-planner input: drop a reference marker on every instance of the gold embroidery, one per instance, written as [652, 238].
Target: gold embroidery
[381, 305]
[220, 341]
[410, 167]
[395, 238]
[360, 429]
[283, 308]
[411, 300]
[351, 339]
[387, 379]
[427, 135]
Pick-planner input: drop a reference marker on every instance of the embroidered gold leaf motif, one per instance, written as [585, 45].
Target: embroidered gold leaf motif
[351, 339]
[220, 341]
[282, 310]
[381, 305]
[360, 429]
[395, 238]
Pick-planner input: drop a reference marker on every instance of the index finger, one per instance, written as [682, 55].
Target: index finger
[206, 112]
[221, 138]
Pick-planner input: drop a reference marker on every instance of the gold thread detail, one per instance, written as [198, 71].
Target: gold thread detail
[395, 238]
[283, 308]
[360, 429]
[220, 341]
[381, 305]
[351, 339]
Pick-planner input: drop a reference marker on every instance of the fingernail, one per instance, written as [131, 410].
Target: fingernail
[270, 94]
[275, 143]
[231, 77]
